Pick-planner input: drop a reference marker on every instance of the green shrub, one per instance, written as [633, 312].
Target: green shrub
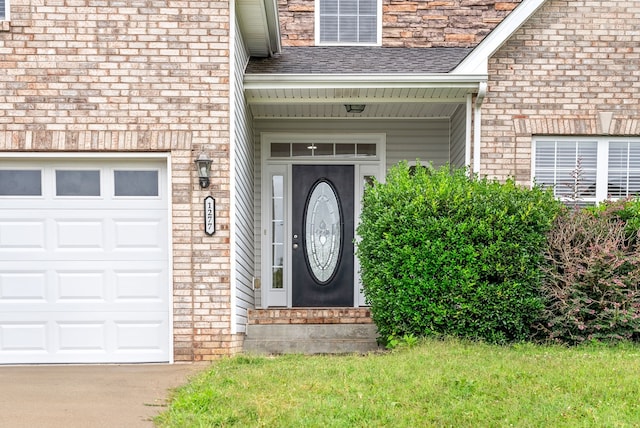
[590, 285]
[441, 253]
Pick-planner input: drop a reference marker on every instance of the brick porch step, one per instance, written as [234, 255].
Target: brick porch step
[310, 331]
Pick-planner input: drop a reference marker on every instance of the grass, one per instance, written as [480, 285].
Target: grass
[446, 383]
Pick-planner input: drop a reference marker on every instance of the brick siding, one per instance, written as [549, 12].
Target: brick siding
[310, 316]
[135, 76]
[570, 63]
[440, 23]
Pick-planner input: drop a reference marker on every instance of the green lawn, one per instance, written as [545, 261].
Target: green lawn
[436, 383]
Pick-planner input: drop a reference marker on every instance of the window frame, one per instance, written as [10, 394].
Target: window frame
[378, 41]
[6, 10]
[602, 161]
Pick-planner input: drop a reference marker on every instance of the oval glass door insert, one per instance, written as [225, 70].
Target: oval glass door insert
[323, 234]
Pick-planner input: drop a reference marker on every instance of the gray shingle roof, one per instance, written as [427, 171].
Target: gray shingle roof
[358, 59]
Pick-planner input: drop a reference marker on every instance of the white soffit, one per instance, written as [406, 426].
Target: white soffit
[324, 96]
[259, 25]
[477, 61]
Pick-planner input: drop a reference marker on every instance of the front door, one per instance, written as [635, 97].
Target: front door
[322, 241]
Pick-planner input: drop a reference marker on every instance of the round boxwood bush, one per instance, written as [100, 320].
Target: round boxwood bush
[445, 254]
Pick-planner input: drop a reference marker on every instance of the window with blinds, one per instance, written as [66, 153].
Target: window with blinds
[623, 175]
[347, 21]
[588, 170]
[4, 4]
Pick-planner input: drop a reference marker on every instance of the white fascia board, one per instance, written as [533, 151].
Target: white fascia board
[259, 24]
[477, 60]
[321, 81]
[273, 25]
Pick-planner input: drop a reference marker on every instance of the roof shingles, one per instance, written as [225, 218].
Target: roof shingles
[358, 60]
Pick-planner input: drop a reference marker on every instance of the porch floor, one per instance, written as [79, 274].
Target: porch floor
[310, 331]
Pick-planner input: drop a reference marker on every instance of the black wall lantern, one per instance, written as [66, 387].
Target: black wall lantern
[203, 163]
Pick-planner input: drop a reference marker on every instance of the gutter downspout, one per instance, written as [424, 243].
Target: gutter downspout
[477, 122]
[467, 136]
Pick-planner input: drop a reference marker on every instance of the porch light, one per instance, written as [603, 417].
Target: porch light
[203, 163]
[354, 108]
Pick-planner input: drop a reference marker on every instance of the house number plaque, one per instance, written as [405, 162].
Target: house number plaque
[209, 215]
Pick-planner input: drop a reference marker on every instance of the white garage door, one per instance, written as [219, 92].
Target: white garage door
[83, 261]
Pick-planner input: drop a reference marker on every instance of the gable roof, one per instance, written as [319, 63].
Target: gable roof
[358, 60]
[477, 61]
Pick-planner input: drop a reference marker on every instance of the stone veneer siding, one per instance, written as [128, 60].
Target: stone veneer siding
[406, 23]
[135, 76]
[570, 64]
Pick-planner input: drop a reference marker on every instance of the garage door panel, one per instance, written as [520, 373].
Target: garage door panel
[84, 271]
[71, 235]
[23, 337]
[17, 234]
[139, 234]
[68, 286]
[27, 285]
[85, 337]
[139, 336]
[140, 285]
[83, 285]
[81, 336]
[88, 234]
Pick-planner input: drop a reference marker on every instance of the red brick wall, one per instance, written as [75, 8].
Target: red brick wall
[442, 23]
[80, 75]
[570, 63]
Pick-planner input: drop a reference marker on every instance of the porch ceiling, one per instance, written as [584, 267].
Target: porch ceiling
[325, 96]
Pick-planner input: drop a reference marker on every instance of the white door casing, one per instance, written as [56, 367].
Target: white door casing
[277, 170]
[85, 268]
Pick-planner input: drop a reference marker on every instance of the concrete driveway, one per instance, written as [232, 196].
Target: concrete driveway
[90, 396]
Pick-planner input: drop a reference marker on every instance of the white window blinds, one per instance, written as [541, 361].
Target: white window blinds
[624, 169]
[567, 166]
[588, 170]
[348, 21]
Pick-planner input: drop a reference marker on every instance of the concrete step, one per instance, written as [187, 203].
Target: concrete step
[310, 338]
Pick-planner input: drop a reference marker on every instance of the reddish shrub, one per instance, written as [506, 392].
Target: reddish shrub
[591, 279]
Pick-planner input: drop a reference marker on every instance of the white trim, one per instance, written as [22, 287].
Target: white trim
[602, 164]
[467, 135]
[332, 81]
[602, 157]
[232, 172]
[307, 100]
[283, 166]
[170, 259]
[477, 126]
[477, 61]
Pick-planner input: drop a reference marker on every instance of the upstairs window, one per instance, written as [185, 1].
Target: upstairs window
[4, 10]
[588, 170]
[348, 22]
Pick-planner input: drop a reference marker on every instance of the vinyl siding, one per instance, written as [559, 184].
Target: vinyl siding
[458, 122]
[244, 163]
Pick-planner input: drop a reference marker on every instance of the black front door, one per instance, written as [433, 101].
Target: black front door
[322, 209]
